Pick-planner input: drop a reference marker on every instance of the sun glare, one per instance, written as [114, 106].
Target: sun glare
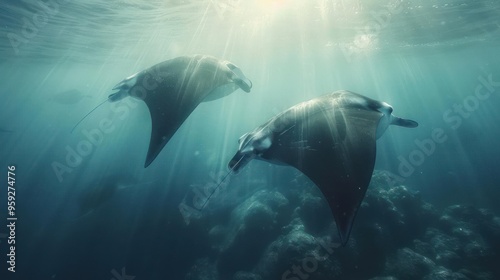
[271, 5]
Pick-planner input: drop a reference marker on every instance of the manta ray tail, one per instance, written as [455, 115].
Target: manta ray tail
[403, 122]
[88, 114]
[231, 170]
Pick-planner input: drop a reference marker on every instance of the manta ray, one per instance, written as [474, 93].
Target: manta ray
[174, 88]
[332, 140]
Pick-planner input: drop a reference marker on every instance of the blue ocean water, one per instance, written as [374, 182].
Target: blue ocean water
[92, 211]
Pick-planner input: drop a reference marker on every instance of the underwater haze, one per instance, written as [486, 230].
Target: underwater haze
[87, 209]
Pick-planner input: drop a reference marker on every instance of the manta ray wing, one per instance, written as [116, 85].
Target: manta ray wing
[182, 84]
[169, 108]
[338, 155]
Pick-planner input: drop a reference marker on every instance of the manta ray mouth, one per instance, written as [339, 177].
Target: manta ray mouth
[119, 95]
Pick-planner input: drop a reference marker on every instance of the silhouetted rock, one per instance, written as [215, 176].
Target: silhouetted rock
[441, 241]
[423, 248]
[252, 227]
[243, 275]
[315, 213]
[202, 269]
[299, 254]
[477, 275]
[441, 273]
[406, 264]
[396, 235]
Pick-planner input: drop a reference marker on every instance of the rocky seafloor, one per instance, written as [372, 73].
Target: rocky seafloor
[289, 234]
